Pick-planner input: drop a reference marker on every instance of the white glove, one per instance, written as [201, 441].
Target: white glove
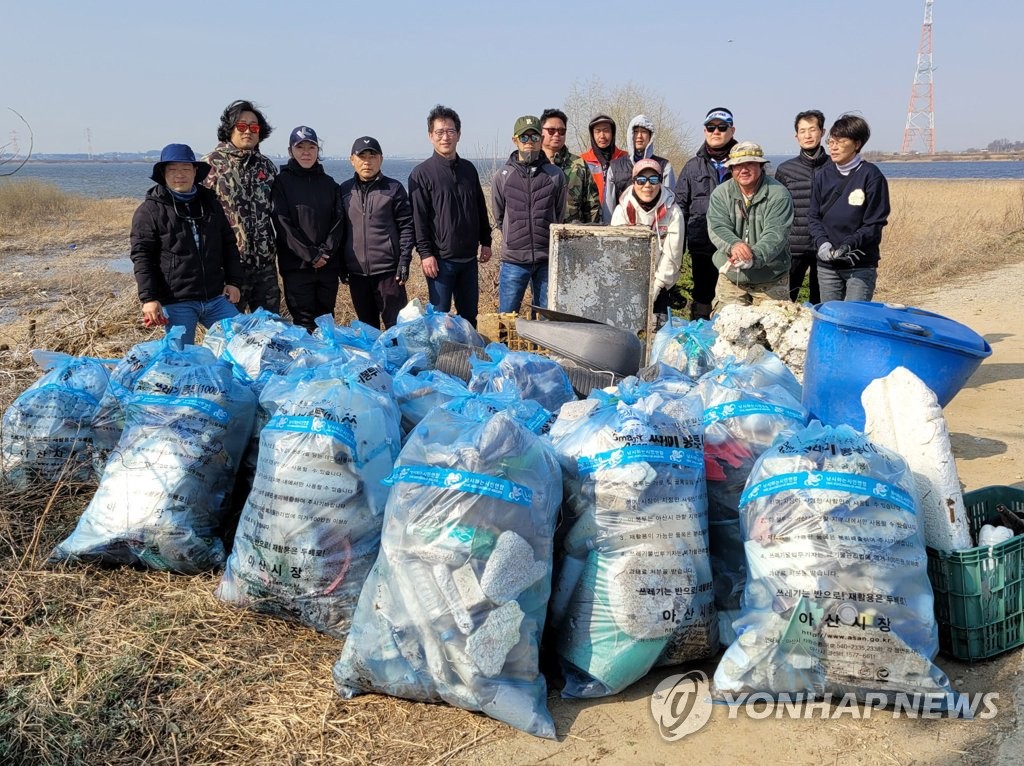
[825, 252]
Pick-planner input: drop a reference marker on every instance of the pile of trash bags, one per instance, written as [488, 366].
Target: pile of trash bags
[166, 484]
[634, 583]
[455, 605]
[685, 346]
[837, 598]
[310, 528]
[48, 431]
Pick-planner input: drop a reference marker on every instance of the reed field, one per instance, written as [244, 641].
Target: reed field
[124, 666]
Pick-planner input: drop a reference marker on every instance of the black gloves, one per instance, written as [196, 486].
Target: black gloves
[402, 275]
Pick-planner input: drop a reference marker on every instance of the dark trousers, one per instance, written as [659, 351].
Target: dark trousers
[459, 282]
[260, 290]
[377, 298]
[801, 264]
[310, 293]
[705, 275]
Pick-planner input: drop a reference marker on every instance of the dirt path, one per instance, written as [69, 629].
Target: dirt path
[987, 423]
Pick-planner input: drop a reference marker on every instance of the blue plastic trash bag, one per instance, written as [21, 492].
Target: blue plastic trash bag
[164, 490]
[532, 376]
[310, 529]
[357, 338]
[746, 407]
[633, 587]
[424, 335]
[48, 431]
[685, 346]
[417, 393]
[838, 598]
[454, 607]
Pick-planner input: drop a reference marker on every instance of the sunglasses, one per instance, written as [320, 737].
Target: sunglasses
[555, 131]
[644, 180]
[246, 127]
[721, 128]
[528, 138]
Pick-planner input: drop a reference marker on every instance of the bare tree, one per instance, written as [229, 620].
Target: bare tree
[12, 158]
[672, 138]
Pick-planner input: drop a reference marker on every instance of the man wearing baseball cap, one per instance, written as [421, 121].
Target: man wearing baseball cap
[749, 218]
[698, 178]
[379, 237]
[528, 195]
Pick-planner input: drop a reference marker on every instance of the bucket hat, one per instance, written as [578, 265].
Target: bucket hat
[179, 153]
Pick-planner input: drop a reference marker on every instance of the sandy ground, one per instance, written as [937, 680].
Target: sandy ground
[986, 421]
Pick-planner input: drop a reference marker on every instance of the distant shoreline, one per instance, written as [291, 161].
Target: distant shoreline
[947, 157]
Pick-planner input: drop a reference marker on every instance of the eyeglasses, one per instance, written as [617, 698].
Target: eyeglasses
[555, 131]
[247, 127]
[442, 132]
[834, 141]
[720, 127]
[644, 180]
[528, 138]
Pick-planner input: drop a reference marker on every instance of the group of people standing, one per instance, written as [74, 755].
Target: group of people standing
[212, 235]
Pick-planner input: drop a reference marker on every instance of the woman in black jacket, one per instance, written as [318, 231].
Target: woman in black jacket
[310, 225]
[183, 251]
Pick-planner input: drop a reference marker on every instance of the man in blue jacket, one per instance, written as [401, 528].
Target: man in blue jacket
[379, 239]
[450, 218]
[528, 195]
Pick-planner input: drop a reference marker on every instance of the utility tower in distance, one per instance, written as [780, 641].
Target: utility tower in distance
[920, 129]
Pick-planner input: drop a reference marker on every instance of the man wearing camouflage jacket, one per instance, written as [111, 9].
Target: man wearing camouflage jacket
[583, 204]
[242, 179]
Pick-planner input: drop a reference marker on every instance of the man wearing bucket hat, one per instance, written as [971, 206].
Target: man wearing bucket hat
[698, 178]
[527, 195]
[749, 218]
[183, 251]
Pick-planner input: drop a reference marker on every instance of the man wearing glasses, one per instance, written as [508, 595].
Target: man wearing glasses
[242, 179]
[749, 217]
[582, 202]
[699, 177]
[528, 195]
[450, 218]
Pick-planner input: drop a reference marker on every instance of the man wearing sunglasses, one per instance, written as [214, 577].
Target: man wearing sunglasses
[698, 178]
[242, 178]
[528, 195]
[582, 202]
[449, 213]
[749, 218]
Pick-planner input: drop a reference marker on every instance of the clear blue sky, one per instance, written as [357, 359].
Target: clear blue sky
[143, 74]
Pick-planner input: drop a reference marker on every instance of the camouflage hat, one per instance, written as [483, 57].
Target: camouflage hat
[745, 151]
[525, 123]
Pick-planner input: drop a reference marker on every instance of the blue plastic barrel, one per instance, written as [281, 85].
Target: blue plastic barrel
[854, 342]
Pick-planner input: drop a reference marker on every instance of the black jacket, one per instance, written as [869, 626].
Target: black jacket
[379, 233]
[797, 175]
[693, 192]
[168, 266]
[448, 209]
[527, 199]
[308, 218]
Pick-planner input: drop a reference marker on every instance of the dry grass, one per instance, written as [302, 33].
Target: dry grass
[36, 215]
[943, 230]
[128, 667]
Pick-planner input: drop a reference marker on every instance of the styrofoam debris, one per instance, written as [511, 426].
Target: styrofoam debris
[778, 326]
[511, 569]
[489, 645]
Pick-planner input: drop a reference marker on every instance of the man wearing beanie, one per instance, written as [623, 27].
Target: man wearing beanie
[600, 158]
[698, 178]
[528, 195]
[378, 239]
[183, 251]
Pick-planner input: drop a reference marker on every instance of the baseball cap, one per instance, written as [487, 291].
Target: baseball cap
[302, 133]
[647, 164]
[525, 123]
[719, 113]
[366, 144]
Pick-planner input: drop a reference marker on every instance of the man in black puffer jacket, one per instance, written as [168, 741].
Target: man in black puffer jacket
[698, 178]
[797, 175]
[528, 195]
[379, 237]
[310, 225]
[183, 251]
